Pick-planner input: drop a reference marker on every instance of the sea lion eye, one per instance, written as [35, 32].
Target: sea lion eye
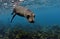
[28, 16]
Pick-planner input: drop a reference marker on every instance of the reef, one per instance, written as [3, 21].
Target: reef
[18, 33]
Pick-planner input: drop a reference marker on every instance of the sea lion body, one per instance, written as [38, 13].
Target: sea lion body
[24, 12]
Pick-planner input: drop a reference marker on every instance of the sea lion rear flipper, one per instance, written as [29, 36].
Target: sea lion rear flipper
[13, 17]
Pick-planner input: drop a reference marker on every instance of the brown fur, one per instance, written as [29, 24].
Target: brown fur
[24, 12]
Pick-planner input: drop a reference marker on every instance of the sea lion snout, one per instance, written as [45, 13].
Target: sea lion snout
[31, 21]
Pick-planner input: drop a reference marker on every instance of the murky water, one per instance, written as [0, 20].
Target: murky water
[47, 12]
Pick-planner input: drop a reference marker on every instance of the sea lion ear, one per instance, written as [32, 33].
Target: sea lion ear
[34, 15]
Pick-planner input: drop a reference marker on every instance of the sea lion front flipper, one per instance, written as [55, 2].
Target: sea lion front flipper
[13, 17]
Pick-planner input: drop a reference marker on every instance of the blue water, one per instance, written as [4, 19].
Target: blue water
[44, 16]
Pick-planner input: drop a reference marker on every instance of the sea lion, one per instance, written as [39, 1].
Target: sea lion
[24, 12]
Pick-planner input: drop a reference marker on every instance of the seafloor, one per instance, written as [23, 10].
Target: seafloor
[18, 33]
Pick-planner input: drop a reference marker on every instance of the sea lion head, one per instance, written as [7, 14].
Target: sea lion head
[31, 17]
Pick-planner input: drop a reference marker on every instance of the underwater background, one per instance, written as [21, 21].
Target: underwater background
[47, 20]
